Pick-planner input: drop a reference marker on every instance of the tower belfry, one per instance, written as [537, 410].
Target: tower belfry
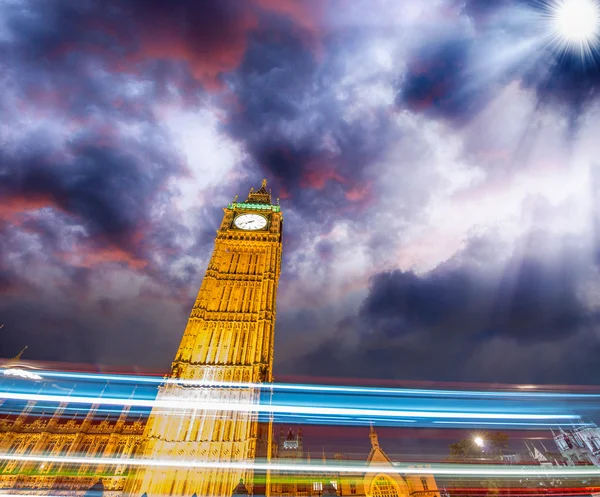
[228, 340]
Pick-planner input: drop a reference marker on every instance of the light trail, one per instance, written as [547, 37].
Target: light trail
[436, 469]
[528, 393]
[182, 403]
[491, 423]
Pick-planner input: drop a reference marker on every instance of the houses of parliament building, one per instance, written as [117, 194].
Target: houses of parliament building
[228, 340]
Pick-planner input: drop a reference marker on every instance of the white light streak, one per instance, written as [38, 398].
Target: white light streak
[174, 403]
[312, 388]
[439, 469]
[21, 373]
[490, 423]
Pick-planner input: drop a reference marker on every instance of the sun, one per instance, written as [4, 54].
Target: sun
[575, 25]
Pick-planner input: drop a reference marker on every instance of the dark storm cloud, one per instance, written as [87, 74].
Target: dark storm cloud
[432, 326]
[58, 35]
[107, 189]
[437, 82]
[564, 80]
[291, 121]
[533, 301]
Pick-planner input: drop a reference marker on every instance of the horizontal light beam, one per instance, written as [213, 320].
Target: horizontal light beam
[181, 403]
[310, 388]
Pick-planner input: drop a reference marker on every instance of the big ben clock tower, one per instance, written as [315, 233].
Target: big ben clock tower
[228, 339]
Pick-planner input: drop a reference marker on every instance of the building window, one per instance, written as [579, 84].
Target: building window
[383, 487]
[14, 446]
[8, 463]
[352, 488]
[318, 486]
[101, 449]
[424, 483]
[49, 448]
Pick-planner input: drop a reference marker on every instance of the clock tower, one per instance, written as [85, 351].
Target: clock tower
[228, 341]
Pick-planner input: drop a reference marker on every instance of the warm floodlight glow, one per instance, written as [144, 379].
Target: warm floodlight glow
[478, 441]
[575, 25]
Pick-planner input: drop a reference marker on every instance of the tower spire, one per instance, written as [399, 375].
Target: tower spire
[373, 437]
[18, 356]
[260, 196]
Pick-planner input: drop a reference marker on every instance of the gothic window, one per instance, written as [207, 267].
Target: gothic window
[120, 449]
[50, 448]
[13, 448]
[352, 488]
[101, 449]
[85, 448]
[383, 487]
[8, 464]
[424, 483]
[135, 449]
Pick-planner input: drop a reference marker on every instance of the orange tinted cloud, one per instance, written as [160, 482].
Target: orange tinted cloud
[210, 40]
[318, 174]
[12, 207]
[358, 192]
[92, 256]
[307, 13]
[213, 41]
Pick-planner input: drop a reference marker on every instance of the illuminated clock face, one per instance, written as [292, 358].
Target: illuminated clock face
[250, 222]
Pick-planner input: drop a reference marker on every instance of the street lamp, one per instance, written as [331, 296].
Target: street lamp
[478, 441]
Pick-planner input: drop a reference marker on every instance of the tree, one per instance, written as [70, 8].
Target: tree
[464, 449]
[494, 445]
[498, 443]
[467, 450]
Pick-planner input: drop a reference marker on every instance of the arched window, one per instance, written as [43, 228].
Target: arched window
[424, 483]
[85, 447]
[101, 448]
[383, 487]
[50, 448]
[14, 446]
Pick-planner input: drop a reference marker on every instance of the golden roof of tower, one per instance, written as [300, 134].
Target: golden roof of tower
[260, 196]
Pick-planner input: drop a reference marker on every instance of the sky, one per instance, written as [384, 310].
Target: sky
[436, 163]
